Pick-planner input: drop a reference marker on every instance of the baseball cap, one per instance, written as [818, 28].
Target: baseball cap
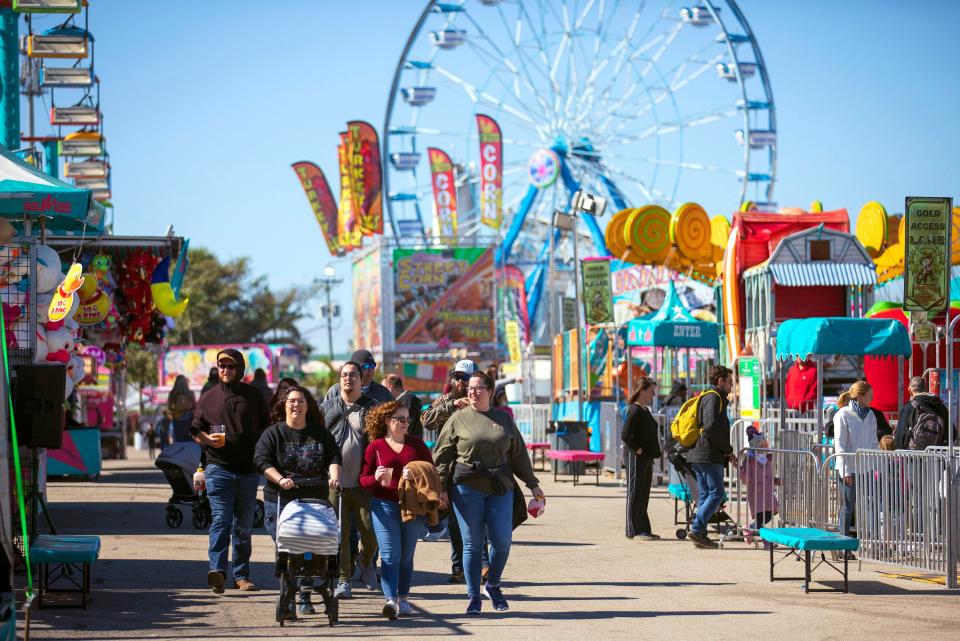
[465, 366]
[363, 357]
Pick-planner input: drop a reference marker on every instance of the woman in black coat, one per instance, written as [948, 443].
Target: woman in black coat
[641, 447]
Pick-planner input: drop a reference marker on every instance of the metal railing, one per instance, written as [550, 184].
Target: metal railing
[532, 421]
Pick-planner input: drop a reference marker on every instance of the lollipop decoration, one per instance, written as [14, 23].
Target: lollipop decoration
[647, 233]
[690, 232]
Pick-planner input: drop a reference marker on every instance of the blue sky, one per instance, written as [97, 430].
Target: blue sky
[207, 104]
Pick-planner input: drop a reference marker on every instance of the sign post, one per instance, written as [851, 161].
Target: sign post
[749, 386]
[926, 276]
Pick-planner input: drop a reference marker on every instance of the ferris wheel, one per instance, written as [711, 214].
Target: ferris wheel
[638, 102]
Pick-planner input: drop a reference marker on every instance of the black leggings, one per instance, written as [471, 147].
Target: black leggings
[639, 479]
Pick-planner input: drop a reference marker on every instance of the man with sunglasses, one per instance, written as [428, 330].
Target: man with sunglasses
[237, 410]
[368, 386]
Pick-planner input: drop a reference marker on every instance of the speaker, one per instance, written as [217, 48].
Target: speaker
[38, 392]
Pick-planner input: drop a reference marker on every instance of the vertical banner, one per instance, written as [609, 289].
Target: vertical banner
[926, 264]
[367, 302]
[491, 171]
[321, 201]
[748, 386]
[597, 290]
[513, 341]
[512, 302]
[348, 227]
[365, 176]
[444, 193]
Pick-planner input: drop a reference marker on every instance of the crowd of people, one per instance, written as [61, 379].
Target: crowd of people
[361, 449]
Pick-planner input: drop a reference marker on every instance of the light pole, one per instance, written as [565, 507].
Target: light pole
[329, 310]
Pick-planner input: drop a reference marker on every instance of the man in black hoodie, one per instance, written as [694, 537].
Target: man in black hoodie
[231, 474]
[923, 421]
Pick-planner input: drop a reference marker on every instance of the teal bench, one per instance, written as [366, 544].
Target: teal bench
[60, 558]
[809, 539]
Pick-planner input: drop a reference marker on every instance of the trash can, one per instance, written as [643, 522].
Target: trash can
[568, 435]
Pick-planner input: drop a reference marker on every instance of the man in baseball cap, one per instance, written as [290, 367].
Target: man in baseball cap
[368, 386]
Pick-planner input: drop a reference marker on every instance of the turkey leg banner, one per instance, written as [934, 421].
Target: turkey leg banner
[443, 298]
[491, 171]
[321, 200]
[365, 176]
[444, 193]
[348, 227]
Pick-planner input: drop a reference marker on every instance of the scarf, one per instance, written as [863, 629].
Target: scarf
[859, 409]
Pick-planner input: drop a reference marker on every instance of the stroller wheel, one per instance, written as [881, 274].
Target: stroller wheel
[681, 533]
[258, 514]
[174, 517]
[201, 519]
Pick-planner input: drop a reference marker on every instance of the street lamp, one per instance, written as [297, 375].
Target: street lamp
[329, 311]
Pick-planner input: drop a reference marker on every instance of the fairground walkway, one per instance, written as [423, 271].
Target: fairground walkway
[572, 575]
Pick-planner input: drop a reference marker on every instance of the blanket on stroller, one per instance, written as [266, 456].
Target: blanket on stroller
[308, 527]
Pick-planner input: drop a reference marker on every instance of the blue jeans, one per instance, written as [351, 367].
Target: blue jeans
[849, 507]
[233, 501]
[710, 484]
[478, 512]
[398, 542]
[271, 514]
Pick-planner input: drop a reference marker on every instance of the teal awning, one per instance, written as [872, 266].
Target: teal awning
[673, 326]
[802, 337]
[27, 191]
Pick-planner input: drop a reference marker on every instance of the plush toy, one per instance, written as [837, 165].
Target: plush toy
[16, 270]
[59, 344]
[63, 299]
[163, 295]
[134, 299]
[48, 269]
[11, 314]
[42, 349]
[94, 303]
[100, 266]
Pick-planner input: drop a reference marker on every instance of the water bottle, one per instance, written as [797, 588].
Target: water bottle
[199, 481]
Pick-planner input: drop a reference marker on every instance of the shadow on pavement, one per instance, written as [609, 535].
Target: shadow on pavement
[877, 588]
[625, 584]
[104, 518]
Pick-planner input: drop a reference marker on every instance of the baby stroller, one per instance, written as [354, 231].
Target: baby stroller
[681, 492]
[308, 553]
[178, 462]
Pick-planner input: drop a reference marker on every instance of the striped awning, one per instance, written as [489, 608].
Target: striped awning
[825, 273]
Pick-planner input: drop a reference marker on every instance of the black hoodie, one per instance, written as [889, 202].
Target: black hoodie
[908, 416]
[241, 409]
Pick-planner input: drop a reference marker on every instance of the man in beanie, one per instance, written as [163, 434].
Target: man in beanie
[238, 411]
[368, 386]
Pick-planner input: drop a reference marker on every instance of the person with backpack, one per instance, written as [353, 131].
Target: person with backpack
[711, 450]
[923, 420]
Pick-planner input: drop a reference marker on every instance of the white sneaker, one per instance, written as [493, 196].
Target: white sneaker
[405, 609]
[390, 609]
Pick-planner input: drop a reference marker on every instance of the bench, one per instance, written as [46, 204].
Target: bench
[810, 540]
[576, 456]
[538, 447]
[60, 558]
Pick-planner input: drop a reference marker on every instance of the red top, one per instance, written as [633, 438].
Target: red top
[379, 453]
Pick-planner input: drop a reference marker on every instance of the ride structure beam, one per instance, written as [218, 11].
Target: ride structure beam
[10, 78]
[526, 205]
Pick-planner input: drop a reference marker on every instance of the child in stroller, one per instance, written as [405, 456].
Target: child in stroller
[721, 520]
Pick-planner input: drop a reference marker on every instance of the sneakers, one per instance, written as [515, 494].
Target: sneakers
[440, 535]
[701, 540]
[215, 580]
[306, 605]
[474, 605]
[343, 591]
[457, 577]
[390, 609]
[368, 576]
[495, 595]
[244, 585]
[405, 609]
[648, 537]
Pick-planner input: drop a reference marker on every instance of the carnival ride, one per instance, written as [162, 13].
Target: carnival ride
[637, 104]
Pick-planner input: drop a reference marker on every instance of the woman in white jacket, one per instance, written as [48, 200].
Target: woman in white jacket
[855, 428]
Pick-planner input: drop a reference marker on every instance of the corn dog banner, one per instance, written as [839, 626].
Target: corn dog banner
[321, 199]
[363, 151]
[491, 171]
[444, 193]
[443, 298]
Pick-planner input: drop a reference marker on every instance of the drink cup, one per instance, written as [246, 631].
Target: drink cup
[218, 432]
[387, 477]
[535, 508]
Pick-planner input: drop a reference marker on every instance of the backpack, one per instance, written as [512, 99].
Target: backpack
[926, 429]
[686, 429]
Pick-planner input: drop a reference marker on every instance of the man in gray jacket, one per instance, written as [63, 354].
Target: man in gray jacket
[368, 386]
[711, 452]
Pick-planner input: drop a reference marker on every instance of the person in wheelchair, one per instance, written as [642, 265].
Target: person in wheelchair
[292, 449]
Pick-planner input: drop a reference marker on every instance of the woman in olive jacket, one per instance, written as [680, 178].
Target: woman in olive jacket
[641, 447]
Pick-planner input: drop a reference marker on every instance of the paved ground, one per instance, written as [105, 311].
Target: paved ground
[572, 575]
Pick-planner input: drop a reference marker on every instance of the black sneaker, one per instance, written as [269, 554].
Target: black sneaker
[216, 580]
[306, 604]
[474, 605]
[495, 595]
[457, 577]
[701, 540]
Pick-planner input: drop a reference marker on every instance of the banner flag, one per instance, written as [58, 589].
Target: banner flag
[491, 171]
[597, 290]
[348, 225]
[321, 200]
[444, 193]
[366, 176]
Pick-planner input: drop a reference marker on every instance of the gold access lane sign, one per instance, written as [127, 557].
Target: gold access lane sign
[926, 275]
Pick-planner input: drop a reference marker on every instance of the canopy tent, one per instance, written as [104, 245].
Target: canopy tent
[673, 326]
[26, 192]
[802, 337]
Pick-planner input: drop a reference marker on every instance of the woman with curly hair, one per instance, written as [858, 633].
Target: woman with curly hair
[384, 463]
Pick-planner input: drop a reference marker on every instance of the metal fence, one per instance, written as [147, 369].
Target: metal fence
[532, 421]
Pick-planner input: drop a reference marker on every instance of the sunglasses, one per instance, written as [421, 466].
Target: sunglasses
[368, 366]
[226, 366]
[461, 377]
[400, 419]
